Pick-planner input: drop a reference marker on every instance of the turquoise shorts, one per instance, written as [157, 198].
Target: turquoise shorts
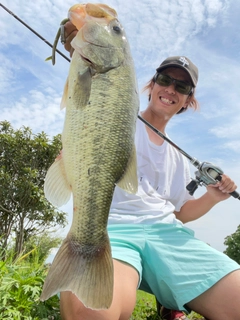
[172, 264]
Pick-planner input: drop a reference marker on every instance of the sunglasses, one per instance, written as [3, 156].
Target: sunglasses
[180, 86]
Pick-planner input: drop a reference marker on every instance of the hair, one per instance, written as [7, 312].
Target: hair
[193, 103]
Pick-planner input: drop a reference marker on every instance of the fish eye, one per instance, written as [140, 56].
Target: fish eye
[117, 29]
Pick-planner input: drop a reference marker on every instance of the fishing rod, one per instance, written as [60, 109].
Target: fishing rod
[37, 34]
[207, 172]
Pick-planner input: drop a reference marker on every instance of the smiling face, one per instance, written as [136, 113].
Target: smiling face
[166, 101]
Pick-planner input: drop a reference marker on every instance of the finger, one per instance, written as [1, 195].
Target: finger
[227, 186]
[70, 32]
[69, 28]
[71, 51]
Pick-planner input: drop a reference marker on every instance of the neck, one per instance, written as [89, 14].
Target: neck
[158, 122]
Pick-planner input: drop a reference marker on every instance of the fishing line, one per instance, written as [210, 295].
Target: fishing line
[37, 34]
[207, 173]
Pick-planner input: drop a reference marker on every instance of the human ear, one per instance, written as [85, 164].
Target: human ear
[188, 100]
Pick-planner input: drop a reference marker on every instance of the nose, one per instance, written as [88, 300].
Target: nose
[171, 88]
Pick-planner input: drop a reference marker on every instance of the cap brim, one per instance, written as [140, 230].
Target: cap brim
[167, 65]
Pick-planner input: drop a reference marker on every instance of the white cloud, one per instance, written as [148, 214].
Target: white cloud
[233, 145]
[39, 110]
[228, 130]
[206, 31]
[6, 74]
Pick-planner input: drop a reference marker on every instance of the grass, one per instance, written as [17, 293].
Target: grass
[146, 308]
[21, 284]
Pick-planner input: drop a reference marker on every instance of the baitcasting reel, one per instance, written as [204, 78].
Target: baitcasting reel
[207, 174]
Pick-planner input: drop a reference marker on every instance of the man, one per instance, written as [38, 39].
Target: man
[151, 248]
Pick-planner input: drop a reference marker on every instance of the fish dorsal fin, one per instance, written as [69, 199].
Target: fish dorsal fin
[129, 180]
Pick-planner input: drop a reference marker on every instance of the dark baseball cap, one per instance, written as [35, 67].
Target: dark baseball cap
[183, 63]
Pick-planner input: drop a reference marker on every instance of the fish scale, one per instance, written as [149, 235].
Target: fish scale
[101, 101]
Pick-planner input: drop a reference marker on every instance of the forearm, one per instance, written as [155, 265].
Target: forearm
[196, 208]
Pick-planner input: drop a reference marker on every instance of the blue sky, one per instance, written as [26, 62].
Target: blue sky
[208, 32]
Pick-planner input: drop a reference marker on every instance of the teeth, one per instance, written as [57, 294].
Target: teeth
[166, 100]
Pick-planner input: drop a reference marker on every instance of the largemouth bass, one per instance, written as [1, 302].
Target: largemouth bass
[101, 101]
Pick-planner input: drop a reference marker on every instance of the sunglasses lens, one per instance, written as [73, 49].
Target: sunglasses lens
[163, 80]
[181, 87]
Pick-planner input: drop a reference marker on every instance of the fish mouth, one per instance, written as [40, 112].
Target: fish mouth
[80, 48]
[84, 58]
[88, 61]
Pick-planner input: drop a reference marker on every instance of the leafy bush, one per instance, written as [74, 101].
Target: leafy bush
[232, 245]
[20, 287]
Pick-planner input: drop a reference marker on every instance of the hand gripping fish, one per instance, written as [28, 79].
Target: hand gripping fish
[101, 101]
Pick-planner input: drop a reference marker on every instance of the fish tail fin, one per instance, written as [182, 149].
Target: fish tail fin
[86, 272]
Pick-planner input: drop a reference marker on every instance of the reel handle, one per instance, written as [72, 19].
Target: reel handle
[234, 194]
[192, 187]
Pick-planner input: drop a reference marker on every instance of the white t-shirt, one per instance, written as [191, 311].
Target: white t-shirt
[163, 173]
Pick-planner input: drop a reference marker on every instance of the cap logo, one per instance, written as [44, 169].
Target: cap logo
[184, 61]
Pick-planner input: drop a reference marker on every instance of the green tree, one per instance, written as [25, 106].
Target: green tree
[24, 160]
[233, 245]
[44, 243]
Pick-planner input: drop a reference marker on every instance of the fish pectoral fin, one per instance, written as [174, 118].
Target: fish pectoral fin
[86, 271]
[129, 180]
[56, 187]
[82, 90]
[64, 96]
